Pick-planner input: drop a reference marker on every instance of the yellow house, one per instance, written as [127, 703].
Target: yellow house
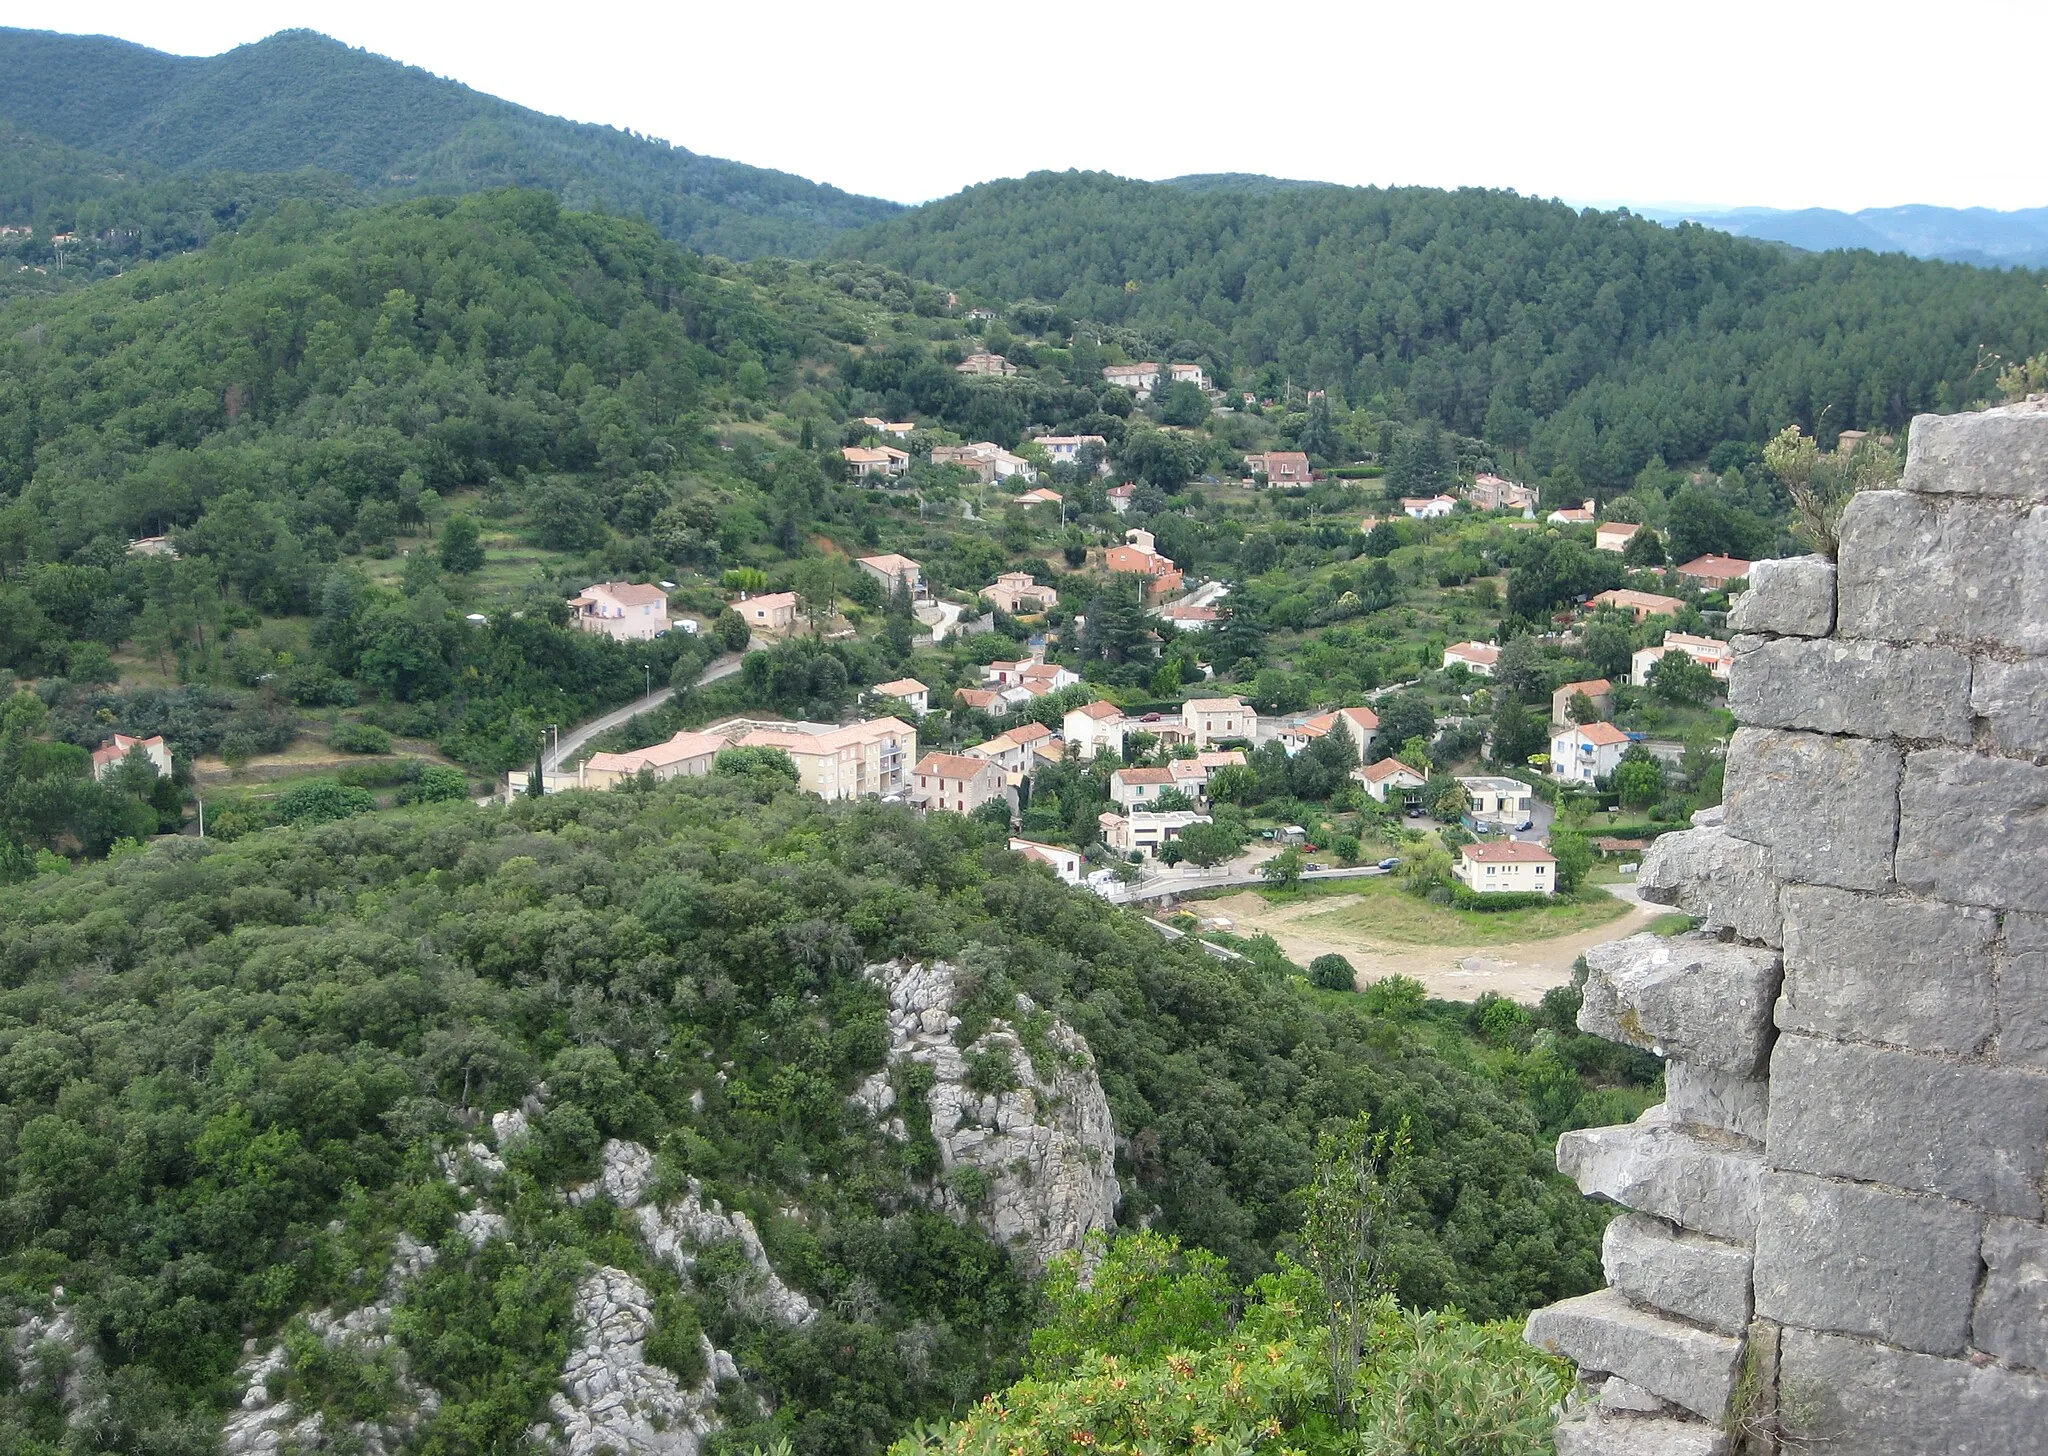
[685, 755]
[862, 760]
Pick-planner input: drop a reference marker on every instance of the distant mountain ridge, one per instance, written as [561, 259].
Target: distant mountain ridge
[1979, 235]
[303, 100]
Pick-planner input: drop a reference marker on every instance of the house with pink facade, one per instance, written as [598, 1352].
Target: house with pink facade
[623, 610]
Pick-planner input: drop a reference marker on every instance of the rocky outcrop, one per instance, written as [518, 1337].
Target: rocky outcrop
[1844, 1199]
[48, 1351]
[612, 1399]
[1034, 1132]
[675, 1232]
[268, 1422]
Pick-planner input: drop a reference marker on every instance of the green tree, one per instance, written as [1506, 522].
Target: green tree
[732, 631]
[1283, 870]
[1644, 549]
[462, 547]
[1574, 858]
[1353, 1211]
[1677, 677]
[1144, 1296]
[1332, 973]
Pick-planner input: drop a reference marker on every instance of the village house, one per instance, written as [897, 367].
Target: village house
[1357, 724]
[1066, 449]
[153, 546]
[957, 783]
[1639, 604]
[1189, 374]
[1143, 834]
[1137, 557]
[1587, 752]
[869, 759]
[1713, 573]
[897, 429]
[1191, 775]
[1614, 535]
[1478, 657]
[986, 700]
[1582, 515]
[687, 755]
[769, 612]
[1120, 498]
[1391, 777]
[1599, 691]
[908, 691]
[621, 610]
[1498, 804]
[1138, 378]
[1039, 678]
[1280, 467]
[1210, 720]
[1427, 508]
[1493, 493]
[1187, 617]
[1016, 750]
[1040, 497]
[1016, 593]
[1506, 866]
[1134, 788]
[114, 752]
[866, 461]
[1066, 863]
[990, 364]
[1093, 728]
[980, 314]
[890, 569]
[1714, 655]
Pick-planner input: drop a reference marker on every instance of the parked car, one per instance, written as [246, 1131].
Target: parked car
[1312, 865]
[1415, 811]
[1525, 826]
[1390, 863]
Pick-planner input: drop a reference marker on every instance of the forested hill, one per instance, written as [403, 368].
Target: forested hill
[301, 100]
[1597, 339]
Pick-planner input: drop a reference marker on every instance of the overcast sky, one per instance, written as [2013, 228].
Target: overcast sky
[1778, 103]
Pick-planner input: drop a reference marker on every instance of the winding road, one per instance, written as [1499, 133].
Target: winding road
[566, 746]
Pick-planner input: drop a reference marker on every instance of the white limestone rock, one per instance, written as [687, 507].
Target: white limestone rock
[611, 1399]
[1045, 1146]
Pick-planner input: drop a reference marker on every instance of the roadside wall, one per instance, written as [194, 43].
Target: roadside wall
[1835, 1238]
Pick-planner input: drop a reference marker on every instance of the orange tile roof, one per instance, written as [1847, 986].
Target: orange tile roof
[1509, 851]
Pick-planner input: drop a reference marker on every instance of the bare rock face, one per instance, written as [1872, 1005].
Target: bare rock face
[47, 1346]
[1036, 1129]
[611, 1398]
[674, 1233]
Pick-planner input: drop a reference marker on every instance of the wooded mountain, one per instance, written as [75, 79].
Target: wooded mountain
[1595, 339]
[302, 100]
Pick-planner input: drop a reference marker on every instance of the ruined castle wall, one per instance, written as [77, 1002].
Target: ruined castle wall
[1836, 1239]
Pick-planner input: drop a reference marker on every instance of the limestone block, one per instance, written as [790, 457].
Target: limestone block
[1708, 1097]
[1590, 1431]
[1974, 829]
[1706, 1280]
[1616, 1394]
[1655, 1167]
[1825, 808]
[1726, 882]
[1914, 569]
[1872, 689]
[1995, 452]
[1675, 1361]
[1858, 1260]
[1687, 996]
[2012, 697]
[2011, 1320]
[1966, 1131]
[1791, 597]
[1841, 1394]
[1914, 973]
[2023, 992]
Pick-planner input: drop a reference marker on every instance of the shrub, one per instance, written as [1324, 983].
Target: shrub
[1331, 972]
[360, 738]
[318, 801]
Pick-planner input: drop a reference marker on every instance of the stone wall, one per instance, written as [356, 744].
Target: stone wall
[1835, 1238]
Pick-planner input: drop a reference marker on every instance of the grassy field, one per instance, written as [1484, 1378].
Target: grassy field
[1383, 912]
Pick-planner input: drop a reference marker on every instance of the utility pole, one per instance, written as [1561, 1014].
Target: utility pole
[647, 679]
[200, 800]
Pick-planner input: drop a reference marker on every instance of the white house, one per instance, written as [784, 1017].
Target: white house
[1138, 378]
[1581, 515]
[1094, 728]
[114, 752]
[1714, 655]
[1191, 775]
[1143, 834]
[1499, 803]
[1507, 866]
[867, 460]
[769, 612]
[1136, 788]
[622, 610]
[1428, 508]
[1590, 751]
[907, 691]
[1614, 535]
[1065, 449]
[1066, 863]
[1391, 780]
[1478, 657]
[1357, 724]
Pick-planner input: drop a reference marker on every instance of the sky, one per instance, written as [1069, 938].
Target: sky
[1794, 103]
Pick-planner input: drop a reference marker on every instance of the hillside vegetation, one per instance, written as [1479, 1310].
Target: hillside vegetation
[1594, 340]
[301, 100]
[229, 1069]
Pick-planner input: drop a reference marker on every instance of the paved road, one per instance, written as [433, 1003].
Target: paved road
[1169, 885]
[566, 747]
